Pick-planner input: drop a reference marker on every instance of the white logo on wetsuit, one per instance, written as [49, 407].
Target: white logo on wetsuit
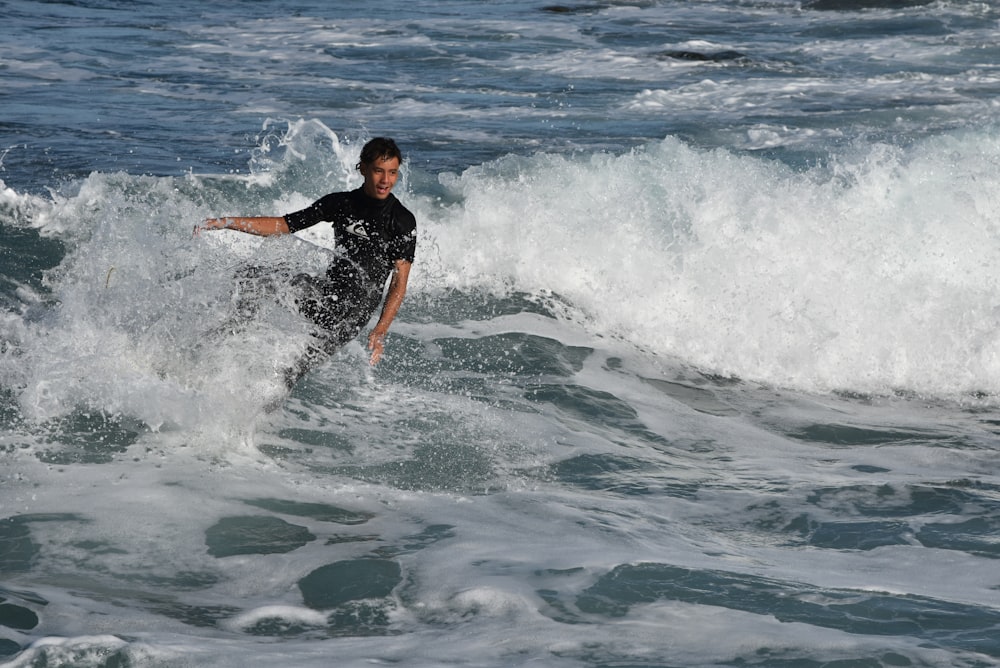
[357, 228]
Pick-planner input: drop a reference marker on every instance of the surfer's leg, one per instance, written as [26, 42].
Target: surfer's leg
[313, 357]
[314, 303]
[323, 345]
[336, 321]
[252, 284]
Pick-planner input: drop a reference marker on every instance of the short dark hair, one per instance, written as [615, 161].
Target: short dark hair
[380, 148]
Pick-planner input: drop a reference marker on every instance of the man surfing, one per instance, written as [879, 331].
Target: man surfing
[377, 235]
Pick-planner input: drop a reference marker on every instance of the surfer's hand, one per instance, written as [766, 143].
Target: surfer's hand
[207, 224]
[211, 224]
[376, 344]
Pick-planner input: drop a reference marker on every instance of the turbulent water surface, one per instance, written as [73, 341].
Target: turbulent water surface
[699, 365]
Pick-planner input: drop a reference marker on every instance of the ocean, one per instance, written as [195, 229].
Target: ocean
[699, 364]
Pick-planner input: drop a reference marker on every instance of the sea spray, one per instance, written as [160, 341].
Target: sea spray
[869, 272]
[866, 273]
[557, 452]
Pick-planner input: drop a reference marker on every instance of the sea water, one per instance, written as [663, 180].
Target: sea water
[699, 363]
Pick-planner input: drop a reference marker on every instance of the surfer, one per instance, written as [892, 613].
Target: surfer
[377, 236]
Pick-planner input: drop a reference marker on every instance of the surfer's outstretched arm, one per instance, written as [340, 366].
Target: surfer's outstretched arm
[262, 226]
[393, 300]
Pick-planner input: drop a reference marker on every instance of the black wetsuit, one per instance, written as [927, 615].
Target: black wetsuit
[373, 234]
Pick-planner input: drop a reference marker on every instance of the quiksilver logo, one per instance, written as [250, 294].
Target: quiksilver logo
[357, 228]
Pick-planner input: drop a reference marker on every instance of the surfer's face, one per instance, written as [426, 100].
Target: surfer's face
[380, 176]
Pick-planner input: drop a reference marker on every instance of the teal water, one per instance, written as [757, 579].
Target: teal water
[699, 364]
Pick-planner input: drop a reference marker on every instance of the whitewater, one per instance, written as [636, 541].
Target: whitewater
[699, 364]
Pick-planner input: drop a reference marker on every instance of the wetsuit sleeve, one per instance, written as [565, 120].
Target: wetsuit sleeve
[403, 245]
[317, 212]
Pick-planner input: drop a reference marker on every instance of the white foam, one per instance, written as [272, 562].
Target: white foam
[869, 273]
[286, 613]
